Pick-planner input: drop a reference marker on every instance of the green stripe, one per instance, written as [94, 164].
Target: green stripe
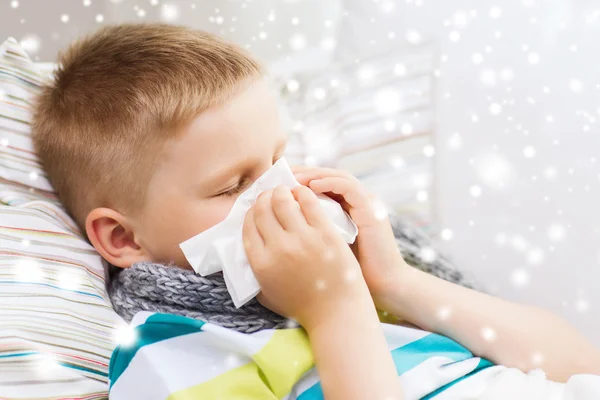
[483, 363]
[64, 364]
[158, 327]
[18, 354]
[413, 354]
[80, 368]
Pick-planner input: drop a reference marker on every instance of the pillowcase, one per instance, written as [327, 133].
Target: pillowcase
[20, 82]
[57, 325]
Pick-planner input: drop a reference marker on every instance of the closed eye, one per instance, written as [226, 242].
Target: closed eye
[239, 187]
[242, 184]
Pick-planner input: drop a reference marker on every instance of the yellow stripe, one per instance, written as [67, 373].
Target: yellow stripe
[388, 318]
[242, 383]
[284, 359]
[270, 376]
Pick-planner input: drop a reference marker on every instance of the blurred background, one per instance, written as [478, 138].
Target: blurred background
[475, 119]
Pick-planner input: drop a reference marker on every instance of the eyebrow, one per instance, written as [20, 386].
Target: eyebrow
[222, 174]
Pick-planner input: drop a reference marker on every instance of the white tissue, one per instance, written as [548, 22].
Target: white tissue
[221, 248]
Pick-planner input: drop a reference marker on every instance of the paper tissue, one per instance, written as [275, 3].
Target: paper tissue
[221, 248]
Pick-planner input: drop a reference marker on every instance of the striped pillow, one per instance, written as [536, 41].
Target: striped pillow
[20, 82]
[57, 324]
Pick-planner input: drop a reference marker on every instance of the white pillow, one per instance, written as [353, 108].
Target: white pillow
[57, 324]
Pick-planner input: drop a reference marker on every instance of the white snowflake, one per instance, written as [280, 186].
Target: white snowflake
[556, 232]
[495, 108]
[319, 93]
[444, 313]
[350, 275]
[455, 141]
[475, 191]
[520, 277]
[387, 101]
[297, 41]
[387, 6]
[422, 196]
[30, 43]
[389, 125]
[397, 162]
[320, 284]
[290, 324]
[575, 85]
[447, 234]
[169, 12]
[293, 85]
[125, 335]
[413, 37]
[477, 58]
[427, 254]
[537, 359]
[533, 58]
[328, 43]
[234, 360]
[488, 334]
[582, 305]
[454, 36]
[488, 77]
[495, 12]
[535, 256]
[460, 19]
[519, 243]
[400, 69]
[406, 129]
[506, 74]
[379, 209]
[529, 151]
[68, 280]
[429, 150]
[48, 365]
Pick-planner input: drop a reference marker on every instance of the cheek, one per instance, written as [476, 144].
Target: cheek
[183, 223]
[206, 215]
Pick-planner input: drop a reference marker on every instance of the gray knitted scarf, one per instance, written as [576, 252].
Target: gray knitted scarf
[166, 288]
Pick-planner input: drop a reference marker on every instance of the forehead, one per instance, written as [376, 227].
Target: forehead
[244, 126]
[252, 111]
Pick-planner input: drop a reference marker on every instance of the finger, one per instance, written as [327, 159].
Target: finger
[304, 176]
[299, 168]
[352, 192]
[309, 204]
[287, 210]
[253, 242]
[266, 222]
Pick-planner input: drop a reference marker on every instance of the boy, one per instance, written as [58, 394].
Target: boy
[151, 131]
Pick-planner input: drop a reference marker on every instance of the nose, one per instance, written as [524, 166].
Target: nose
[261, 169]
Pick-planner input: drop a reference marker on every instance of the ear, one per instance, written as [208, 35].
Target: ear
[112, 234]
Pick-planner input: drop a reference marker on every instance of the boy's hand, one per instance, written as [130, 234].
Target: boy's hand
[375, 247]
[305, 269]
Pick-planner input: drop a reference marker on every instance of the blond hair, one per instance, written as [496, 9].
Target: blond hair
[117, 97]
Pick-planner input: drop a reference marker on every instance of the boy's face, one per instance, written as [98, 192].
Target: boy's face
[218, 156]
